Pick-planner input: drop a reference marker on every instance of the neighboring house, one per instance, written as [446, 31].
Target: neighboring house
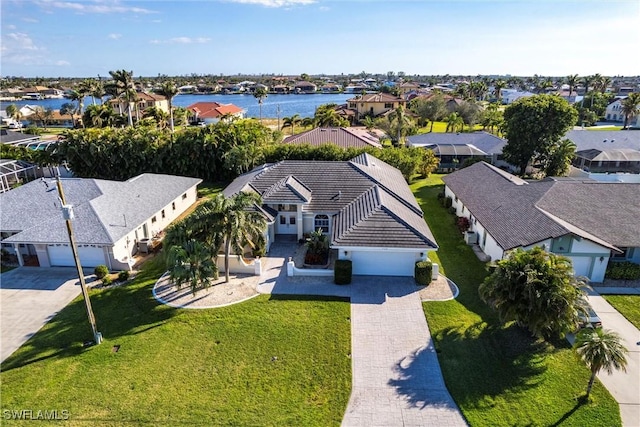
[451, 102]
[590, 222]
[454, 148]
[364, 205]
[305, 87]
[408, 87]
[606, 151]
[20, 139]
[213, 112]
[509, 96]
[143, 101]
[342, 137]
[374, 104]
[331, 88]
[111, 217]
[56, 120]
[614, 113]
[280, 89]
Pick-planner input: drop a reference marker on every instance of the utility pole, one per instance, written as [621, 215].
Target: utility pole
[278, 114]
[67, 213]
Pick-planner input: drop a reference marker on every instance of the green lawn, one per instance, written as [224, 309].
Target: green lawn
[267, 361]
[607, 128]
[498, 374]
[627, 305]
[210, 189]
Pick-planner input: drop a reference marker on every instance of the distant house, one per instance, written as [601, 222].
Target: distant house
[614, 113]
[280, 89]
[408, 87]
[331, 88]
[374, 104]
[606, 151]
[213, 112]
[112, 219]
[509, 96]
[451, 102]
[142, 101]
[340, 136]
[592, 223]
[454, 148]
[364, 206]
[305, 87]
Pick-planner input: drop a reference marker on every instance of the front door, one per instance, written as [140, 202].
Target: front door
[286, 223]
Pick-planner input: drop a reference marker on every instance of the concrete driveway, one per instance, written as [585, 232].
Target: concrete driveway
[396, 375]
[29, 298]
[624, 387]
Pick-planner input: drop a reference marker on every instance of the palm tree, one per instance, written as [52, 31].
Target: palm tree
[192, 263]
[14, 113]
[403, 124]
[498, 85]
[572, 81]
[88, 88]
[169, 90]
[586, 81]
[291, 122]
[630, 107]
[124, 86]
[68, 108]
[368, 122]
[453, 122]
[260, 94]
[600, 349]
[235, 222]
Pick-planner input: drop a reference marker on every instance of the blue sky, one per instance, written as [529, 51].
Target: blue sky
[84, 38]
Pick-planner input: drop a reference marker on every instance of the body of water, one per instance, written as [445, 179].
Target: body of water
[272, 106]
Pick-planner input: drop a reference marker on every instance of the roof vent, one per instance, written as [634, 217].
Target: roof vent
[339, 194]
[613, 140]
[604, 140]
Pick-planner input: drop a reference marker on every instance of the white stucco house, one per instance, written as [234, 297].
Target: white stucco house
[111, 218]
[364, 205]
[590, 222]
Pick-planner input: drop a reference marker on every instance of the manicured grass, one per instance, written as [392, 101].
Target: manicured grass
[210, 189]
[498, 374]
[441, 127]
[627, 305]
[607, 128]
[267, 361]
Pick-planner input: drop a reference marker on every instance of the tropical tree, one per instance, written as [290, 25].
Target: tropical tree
[454, 121]
[572, 80]
[368, 122]
[432, 109]
[99, 116]
[124, 87]
[260, 94]
[68, 108]
[88, 87]
[291, 122]
[537, 290]
[326, 115]
[600, 349]
[191, 263]
[498, 85]
[157, 116]
[560, 158]
[586, 82]
[14, 113]
[492, 117]
[169, 90]
[533, 126]
[630, 107]
[235, 222]
[403, 124]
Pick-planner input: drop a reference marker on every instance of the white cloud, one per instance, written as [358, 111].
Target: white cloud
[11, 27]
[182, 40]
[63, 63]
[114, 6]
[19, 41]
[275, 3]
[19, 49]
[114, 36]
[30, 20]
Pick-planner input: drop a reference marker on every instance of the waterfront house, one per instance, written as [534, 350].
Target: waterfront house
[374, 104]
[305, 88]
[364, 206]
[213, 112]
[592, 223]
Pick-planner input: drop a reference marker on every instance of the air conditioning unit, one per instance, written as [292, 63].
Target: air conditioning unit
[471, 237]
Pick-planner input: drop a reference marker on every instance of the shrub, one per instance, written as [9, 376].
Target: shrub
[422, 272]
[106, 280]
[441, 196]
[123, 276]
[448, 202]
[101, 271]
[623, 271]
[452, 210]
[463, 224]
[342, 272]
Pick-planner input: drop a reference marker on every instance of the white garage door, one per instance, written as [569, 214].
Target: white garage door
[383, 263]
[61, 256]
[581, 265]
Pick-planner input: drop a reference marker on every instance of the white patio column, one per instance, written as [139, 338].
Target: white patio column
[16, 247]
[299, 221]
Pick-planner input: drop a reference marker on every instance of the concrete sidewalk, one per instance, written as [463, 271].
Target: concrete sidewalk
[624, 387]
[396, 374]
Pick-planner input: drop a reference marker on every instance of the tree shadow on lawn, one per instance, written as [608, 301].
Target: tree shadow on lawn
[484, 361]
[119, 311]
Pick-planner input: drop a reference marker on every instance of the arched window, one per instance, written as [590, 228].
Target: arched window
[322, 222]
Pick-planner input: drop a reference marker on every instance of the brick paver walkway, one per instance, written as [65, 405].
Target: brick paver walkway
[396, 375]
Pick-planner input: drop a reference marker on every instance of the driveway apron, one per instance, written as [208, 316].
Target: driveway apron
[396, 375]
[29, 298]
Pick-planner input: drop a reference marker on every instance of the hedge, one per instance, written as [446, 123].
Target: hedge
[422, 272]
[342, 272]
[623, 270]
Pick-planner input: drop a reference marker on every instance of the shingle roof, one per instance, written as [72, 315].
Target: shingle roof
[342, 137]
[520, 213]
[484, 141]
[11, 137]
[105, 211]
[611, 155]
[604, 140]
[332, 186]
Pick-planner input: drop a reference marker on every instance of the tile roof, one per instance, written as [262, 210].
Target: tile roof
[520, 213]
[376, 97]
[330, 187]
[105, 211]
[212, 110]
[340, 136]
[484, 141]
[611, 155]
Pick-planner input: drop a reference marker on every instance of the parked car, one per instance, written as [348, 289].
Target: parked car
[15, 125]
[590, 319]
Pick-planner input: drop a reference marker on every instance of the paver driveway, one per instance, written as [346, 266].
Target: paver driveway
[29, 298]
[396, 375]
